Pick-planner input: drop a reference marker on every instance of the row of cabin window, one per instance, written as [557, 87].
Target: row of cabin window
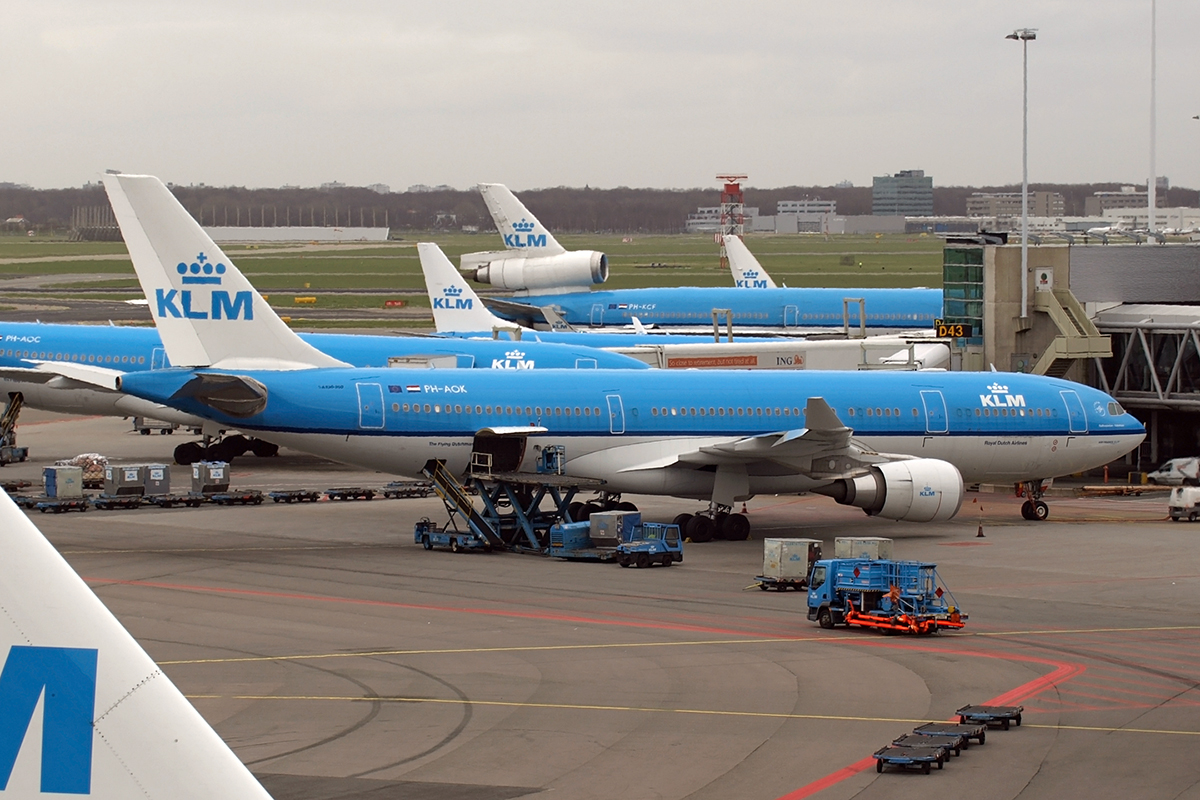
[76, 357]
[724, 412]
[438, 408]
[1010, 412]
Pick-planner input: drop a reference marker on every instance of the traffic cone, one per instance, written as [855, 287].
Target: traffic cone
[744, 511]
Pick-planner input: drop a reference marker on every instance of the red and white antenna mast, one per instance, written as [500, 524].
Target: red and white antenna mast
[733, 211]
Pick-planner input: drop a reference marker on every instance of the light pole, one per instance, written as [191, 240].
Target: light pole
[1024, 35]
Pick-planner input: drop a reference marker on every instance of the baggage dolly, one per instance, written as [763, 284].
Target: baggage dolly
[951, 743]
[241, 498]
[921, 757]
[107, 502]
[991, 715]
[294, 496]
[781, 584]
[967, 731]
[350, 493]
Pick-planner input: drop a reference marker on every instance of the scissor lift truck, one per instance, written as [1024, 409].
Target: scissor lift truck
[889, 596]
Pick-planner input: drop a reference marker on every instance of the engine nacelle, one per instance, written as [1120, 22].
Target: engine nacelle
[576, 269]
[917, 490]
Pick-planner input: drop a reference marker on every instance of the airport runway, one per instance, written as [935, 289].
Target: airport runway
[340, 660]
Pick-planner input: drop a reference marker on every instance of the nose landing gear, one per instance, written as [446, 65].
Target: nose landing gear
[1033, 509]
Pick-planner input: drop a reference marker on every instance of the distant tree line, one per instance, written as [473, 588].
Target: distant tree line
[569, 210]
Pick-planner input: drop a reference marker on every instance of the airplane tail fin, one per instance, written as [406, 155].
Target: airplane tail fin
[206, 311]
[456, 307]
[519, 229]
[747, 272]
[83, 709]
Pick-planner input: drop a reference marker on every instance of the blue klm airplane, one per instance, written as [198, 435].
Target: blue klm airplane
[546, 275]
[915, 436]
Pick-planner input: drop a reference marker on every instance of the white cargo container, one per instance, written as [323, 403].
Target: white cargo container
[788, 559]
[873, 547]
[63, 481]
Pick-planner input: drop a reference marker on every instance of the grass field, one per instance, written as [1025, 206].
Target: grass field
[386, 269]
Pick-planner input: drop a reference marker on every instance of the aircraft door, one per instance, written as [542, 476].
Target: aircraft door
[1076, 416]
[936, 419]
[370, 405]
[491, 454]
[616, 414]
[158, 359]
[791, 316]
[597, 313]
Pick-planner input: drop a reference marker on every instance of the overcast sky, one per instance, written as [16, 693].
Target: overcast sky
[647, 94]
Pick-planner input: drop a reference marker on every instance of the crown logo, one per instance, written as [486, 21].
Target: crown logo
[201, 270]
[452, 291]
[997, 388]
[514, 354]
[523, 226]
[751, 274]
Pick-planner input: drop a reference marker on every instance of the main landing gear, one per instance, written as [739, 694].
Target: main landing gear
[581, 512]
[716, 523]
[227, 449]
[1033, 509]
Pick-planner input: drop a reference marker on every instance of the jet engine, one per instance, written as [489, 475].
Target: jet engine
[576, 269]
[916, 490]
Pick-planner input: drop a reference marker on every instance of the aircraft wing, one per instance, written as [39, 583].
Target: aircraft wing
[65, 375]
[823, 449]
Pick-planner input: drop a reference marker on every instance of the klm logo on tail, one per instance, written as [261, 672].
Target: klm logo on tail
[64, 678]
[522, 236]
[452, 298]
[750, 280]
[182, 304]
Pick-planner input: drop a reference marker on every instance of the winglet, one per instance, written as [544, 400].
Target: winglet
[206, 311]
[747, 272]
[117, 726]
[456, 307]
[818, 416]
[519, 229]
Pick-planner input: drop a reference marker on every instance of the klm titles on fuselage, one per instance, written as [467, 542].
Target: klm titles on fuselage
[1000, 398]
[190, 304]
[522, 237]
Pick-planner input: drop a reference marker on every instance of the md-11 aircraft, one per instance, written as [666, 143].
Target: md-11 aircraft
[84, 711]
[543, 274]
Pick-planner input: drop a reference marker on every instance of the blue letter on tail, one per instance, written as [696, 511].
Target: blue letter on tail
[67, 678]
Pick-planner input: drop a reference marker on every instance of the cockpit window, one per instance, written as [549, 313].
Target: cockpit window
[1115, 410]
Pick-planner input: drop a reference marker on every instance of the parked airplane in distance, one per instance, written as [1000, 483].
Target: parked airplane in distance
[747, 272]
[112, 726]
[532, 258]
[716, 436]
[565, 291]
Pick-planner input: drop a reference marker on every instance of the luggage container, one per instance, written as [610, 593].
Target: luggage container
[209, 477]
[124, 480]
[610, 528]
[872, 547]
[157, 481]
[63, 481]
[789, 559]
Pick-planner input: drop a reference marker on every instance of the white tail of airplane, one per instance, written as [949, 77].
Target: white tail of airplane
[456, 307]
[83, 709]
[520, 229]
[206, 311]
[747, 272]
